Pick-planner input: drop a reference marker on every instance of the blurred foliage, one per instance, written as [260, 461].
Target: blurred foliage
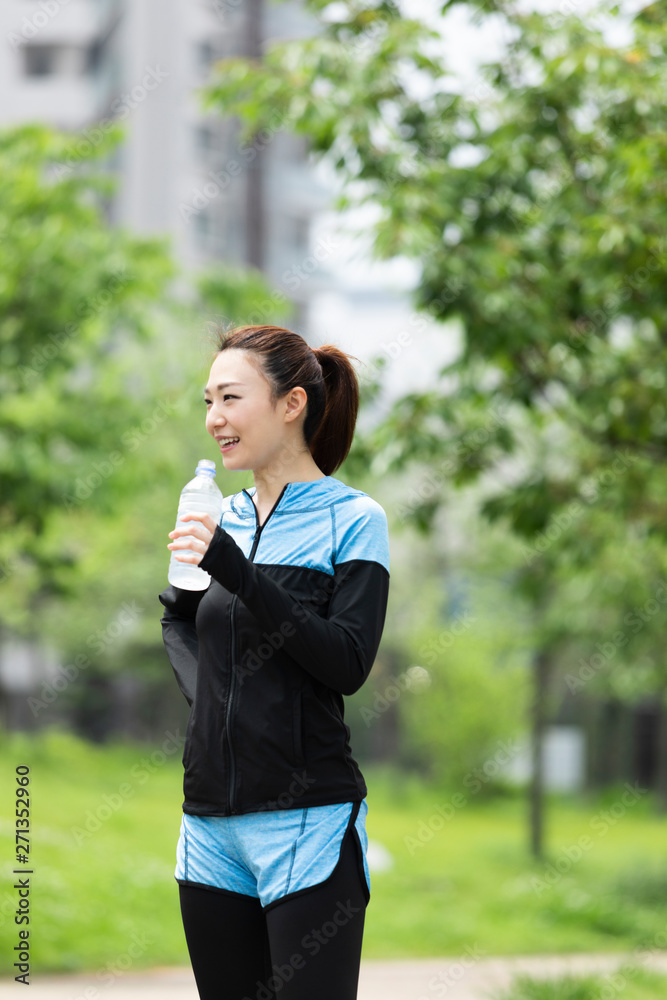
[75, 297]
[452, 664]
[534, 204]
[108, 820]
[466, 716]
[634, 981]
[235, 296]
[104, 352]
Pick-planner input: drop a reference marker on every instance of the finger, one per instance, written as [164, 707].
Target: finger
[190, 559]
[194, 525]
[190, 542]
[194, 530]
[182, 543]
[205, 519]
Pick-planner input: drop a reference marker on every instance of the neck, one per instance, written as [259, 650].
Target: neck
[269, 483]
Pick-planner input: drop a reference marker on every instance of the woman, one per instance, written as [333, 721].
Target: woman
[271, 859]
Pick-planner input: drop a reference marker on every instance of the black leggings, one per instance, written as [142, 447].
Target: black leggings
[302, 947]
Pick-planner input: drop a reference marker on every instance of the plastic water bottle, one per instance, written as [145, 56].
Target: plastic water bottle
[202, 496]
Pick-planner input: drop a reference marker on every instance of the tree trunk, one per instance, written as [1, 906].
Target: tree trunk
[541, 672]
[255, 223]
[661, 761]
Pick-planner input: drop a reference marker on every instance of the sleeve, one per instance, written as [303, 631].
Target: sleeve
[180, 635]
[338, 650]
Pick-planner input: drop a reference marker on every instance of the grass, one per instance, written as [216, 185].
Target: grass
[470, 882]
[630, 983]
[104, 828]
[105, 823]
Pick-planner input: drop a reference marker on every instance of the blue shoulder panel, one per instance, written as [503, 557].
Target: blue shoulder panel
[361, 531]
[316, 525]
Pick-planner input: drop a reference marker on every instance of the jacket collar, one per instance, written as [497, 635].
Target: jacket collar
[297, 495]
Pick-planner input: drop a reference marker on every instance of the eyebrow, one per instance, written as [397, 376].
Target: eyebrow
[223, 385]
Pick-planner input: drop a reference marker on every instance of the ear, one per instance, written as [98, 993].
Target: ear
[295, 403]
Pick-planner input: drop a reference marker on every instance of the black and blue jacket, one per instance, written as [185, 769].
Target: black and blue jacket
[291, 622]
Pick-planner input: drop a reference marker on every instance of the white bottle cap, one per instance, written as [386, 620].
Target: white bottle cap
[205, 465]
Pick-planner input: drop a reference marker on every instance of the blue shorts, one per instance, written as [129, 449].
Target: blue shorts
[269, 855]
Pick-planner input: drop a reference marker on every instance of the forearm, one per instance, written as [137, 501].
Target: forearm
[339, 650]
[179, 635]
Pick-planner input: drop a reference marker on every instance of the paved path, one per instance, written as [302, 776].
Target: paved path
[423, 979]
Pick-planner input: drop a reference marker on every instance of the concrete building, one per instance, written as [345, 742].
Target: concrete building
[81, 65]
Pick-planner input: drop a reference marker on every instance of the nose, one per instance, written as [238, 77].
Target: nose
[215, 419]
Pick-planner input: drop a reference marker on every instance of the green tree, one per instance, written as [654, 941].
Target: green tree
[76, 298]
[535, 208]
[104, 353]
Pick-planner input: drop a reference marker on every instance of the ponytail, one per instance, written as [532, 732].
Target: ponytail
[332, 440]
[325, 373]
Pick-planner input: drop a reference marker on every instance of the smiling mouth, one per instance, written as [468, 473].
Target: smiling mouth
[228, 445]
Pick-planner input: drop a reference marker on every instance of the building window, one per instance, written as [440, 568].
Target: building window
[207, 231]
[205, 138]
[41, 60]
[207, 53]
[203, 226]
[94, 57]
[52, 60]
[300, 232]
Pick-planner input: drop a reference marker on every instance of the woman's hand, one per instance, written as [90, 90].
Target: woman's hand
[202, 530]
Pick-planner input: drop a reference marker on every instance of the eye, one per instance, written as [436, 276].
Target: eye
[226, 396]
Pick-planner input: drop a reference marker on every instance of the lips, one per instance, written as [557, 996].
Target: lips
[227, 446]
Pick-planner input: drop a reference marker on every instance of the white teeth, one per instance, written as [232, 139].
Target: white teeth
[227, 440]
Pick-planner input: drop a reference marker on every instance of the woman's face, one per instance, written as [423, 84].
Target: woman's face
[238, 406]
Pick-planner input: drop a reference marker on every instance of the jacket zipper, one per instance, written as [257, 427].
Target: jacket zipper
[232, 685]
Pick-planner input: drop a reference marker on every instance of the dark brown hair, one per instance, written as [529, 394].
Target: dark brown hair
[325, 373]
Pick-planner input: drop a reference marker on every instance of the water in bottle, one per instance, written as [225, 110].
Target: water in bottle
[200, 495]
